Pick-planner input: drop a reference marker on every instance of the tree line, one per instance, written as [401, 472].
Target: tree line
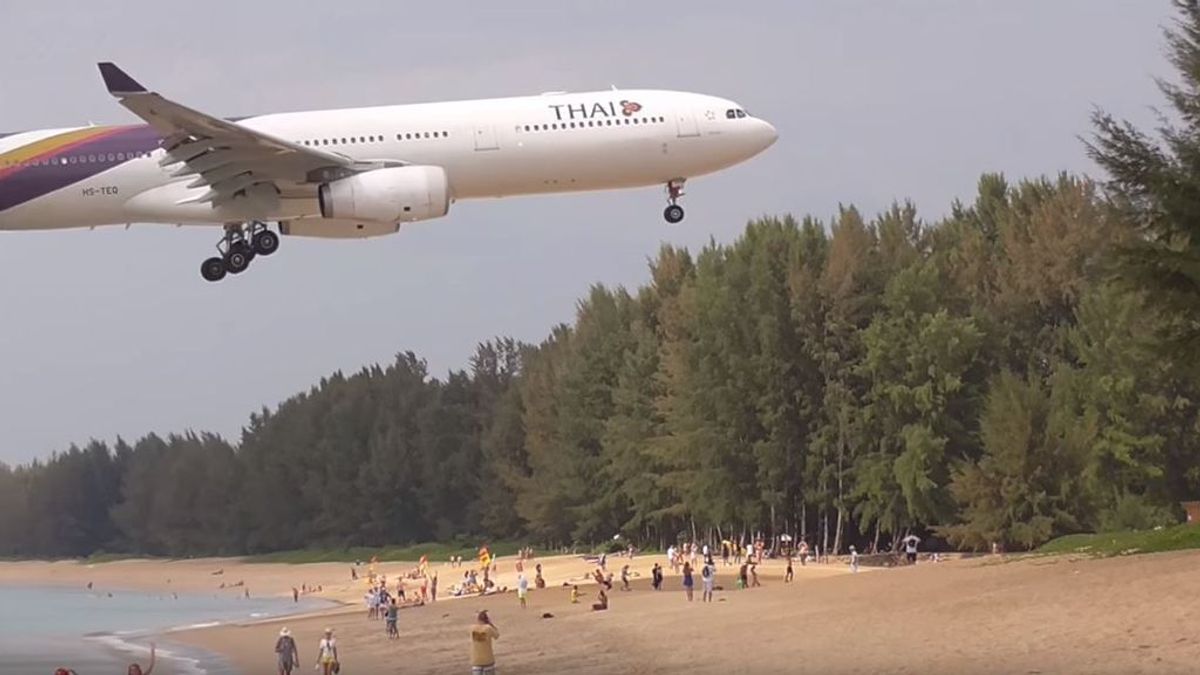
[1022, 368]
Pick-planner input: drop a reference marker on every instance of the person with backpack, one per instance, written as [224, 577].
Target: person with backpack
[708, 576]
[286, 653]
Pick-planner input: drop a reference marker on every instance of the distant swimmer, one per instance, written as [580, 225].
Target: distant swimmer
[136, 668]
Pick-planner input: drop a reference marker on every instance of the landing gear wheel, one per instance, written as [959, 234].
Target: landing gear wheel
[213, 269]
[265, 243]
[673, 213]
[237, 261]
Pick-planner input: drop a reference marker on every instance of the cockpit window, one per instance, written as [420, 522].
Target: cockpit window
[730, 114]
[741, 113]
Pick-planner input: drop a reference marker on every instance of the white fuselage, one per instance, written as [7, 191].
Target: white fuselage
[52, 179]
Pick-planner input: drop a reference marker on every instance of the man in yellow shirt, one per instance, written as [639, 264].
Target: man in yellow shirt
[483, 660]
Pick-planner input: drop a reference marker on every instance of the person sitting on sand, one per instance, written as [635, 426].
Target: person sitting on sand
[575, 595]
[136, 668]
[327, 654]
[286, 654]
[601, 603]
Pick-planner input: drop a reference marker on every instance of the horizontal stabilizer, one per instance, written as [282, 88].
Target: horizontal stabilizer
[118, 81]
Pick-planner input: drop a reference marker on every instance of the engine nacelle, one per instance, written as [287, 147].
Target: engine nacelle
[325, 228]
[394, 195]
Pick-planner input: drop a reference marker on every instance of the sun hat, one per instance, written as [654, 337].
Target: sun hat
[284, 632]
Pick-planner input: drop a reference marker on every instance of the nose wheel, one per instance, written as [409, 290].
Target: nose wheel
[674, 212]
[240, 245]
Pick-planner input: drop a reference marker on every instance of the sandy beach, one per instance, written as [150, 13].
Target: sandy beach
[989, 615]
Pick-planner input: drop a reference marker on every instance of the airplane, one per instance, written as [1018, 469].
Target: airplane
[361, 172]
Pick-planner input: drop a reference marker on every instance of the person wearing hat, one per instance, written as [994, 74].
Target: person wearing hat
[327, 654]
[483, 659]
[286, 653]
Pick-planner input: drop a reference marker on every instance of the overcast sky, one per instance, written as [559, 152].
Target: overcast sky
[113, 332]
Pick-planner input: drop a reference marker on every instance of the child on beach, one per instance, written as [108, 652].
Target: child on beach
[787, 576]
[574, 595]
[625, 578]
[687, 580]
[601, 603]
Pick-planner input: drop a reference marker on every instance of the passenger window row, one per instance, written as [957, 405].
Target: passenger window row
[559, 126]
[364, 140]
[102, 158]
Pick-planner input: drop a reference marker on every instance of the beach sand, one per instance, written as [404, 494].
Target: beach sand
[988, 615]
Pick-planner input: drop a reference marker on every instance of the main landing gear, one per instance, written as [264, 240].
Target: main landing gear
[674, 212]
[240, 245]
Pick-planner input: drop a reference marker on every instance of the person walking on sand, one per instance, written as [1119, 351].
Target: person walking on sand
[687, 580]
[327, 653]
[433, 588]
[286, 654]
[790, 573]
[483, 659]
[656, 577]
[522, 589]
[853, 560]
[708, 577]
[136, 668]
[910, 548]
[625, 578]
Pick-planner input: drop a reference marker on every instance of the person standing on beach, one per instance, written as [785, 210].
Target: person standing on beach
[687, 580]
[136, 668]
[790, 573]
[656, 577]
[522, 589]
[853, 560]
[708, 577]
[327, 654]
[392, 615]
[433, 588]
[483, 659]
[910, 548]
[286, 653]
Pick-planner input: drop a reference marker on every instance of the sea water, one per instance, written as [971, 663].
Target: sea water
[42, 629]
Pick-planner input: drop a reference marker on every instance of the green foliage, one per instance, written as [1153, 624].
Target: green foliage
[1176, 538]
[1155, 185]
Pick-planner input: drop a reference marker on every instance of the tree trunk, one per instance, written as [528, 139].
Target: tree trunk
[803, 520]
[875, 543]
[837, 537]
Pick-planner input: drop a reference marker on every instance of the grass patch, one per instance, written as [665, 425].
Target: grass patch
[437, 552]
[1176, 538]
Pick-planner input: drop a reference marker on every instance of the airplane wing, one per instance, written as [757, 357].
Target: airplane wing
[229, 159]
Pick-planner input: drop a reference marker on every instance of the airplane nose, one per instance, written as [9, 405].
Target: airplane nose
[768, 133]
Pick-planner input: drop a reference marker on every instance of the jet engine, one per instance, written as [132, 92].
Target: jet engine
[392, 195]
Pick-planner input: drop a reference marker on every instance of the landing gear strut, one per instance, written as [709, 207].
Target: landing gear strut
[237, 248]
[674, 212]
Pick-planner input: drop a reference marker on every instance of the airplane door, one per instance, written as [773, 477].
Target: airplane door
[685, 121]
[485, 138]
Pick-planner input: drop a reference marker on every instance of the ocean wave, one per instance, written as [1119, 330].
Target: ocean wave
[125, 644]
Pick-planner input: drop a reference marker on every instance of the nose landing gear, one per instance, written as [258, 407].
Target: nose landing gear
[237, 248]
[674, 212]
